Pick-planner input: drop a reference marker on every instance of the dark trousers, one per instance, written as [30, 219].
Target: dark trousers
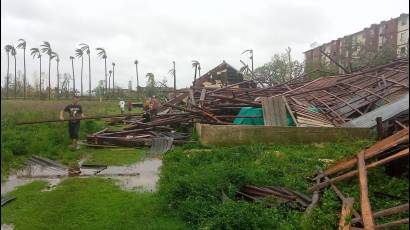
[73, 129]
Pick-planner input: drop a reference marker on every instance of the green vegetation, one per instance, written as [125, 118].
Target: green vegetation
[193, 180]
[115, 156]
[49, 140]
[87, 203]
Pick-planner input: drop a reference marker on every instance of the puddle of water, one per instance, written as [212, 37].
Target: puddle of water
[139, 176]
[7, 226]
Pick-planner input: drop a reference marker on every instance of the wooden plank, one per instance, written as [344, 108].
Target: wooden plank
[386, 212]
[402, 153]
[372, 151]
[274, 111]
[280, 111]
[365, 206]
[393, 224]
[346, 213]
[290, 111]
[267, 111]
[191, 96]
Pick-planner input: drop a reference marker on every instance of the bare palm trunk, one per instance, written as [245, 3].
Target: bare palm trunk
[8, 75]
[89, 75]
[15, 77]
[24, 81]
[82, 65]
[109, 85]
[72, 66]
[138, 84]
[49, 78]
[58, 81]
[40, 76]
[113, 89]
[105, 67]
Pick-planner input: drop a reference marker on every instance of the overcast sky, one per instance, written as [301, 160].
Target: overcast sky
[157, 32]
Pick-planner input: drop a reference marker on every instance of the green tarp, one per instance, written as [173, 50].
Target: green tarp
[250, 111]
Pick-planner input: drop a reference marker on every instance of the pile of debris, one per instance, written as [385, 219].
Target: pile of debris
[349, 100]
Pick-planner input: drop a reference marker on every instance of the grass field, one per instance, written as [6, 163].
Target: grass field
[192, 181]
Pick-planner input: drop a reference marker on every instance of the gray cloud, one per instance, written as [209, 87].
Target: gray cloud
[160, 31]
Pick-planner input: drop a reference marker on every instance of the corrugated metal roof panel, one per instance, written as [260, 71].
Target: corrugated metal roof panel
[385, 112]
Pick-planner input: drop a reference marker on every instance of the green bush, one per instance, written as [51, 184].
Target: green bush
[193, 180]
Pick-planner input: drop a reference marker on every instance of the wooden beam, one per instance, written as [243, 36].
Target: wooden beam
[290, 111]
[386, 212]
[393, 224]
[365, 206]
[347, 207]
[402, 153]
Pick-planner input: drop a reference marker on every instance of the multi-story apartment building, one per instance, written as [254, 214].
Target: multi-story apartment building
[392, 34]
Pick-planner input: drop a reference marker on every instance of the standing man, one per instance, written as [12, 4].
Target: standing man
[129, 105]
[154, 106]
[75, 112]
[122, 106]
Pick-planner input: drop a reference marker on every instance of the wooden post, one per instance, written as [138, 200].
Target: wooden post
[346, 213]
[365, 206]
[380, 128]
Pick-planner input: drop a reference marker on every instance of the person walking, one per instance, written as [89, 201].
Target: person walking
[129, 105]
[122, 106]
[154, 105]
[75, 112]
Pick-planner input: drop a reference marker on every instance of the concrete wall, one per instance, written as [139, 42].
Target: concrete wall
[228, 135]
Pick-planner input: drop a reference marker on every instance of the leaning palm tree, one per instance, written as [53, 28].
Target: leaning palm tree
[47, 50]
[109, 81]
[136, 70]
[86, 48]
[35, 52]
[14, 53]
[80, 53]
[22, 45]
[113, 89]
[58, 73]
[8, 49]
[101, 53]
[72, 66]
[195, 65]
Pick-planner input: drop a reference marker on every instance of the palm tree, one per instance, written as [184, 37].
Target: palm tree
[109, 81]
[136, 70]
[47, 50]
[35, 52]
[101, 53]
[14, 53]
[86, 48]
[113, 89]
[195, 65]
[58, 73]
[8, 49]
[80, 53]
[72, 66]
[250, 57]
[22, 45]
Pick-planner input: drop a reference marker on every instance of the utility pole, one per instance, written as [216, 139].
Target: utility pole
[251, 57]
[136, 70]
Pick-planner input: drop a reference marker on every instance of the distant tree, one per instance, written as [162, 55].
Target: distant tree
[47, 50]
[79, 53]
[151, 85]
[14, 53]
[8, 49]
[195, 65]
[101, 53]
[72, 66]
[136, 70]
[113, 72]
[58, 73]
[280, 69]
[22, 45]
[109, 81]
[86, 48]
[35, 52]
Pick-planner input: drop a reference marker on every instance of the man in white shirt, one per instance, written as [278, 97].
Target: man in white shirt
[122, 106]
